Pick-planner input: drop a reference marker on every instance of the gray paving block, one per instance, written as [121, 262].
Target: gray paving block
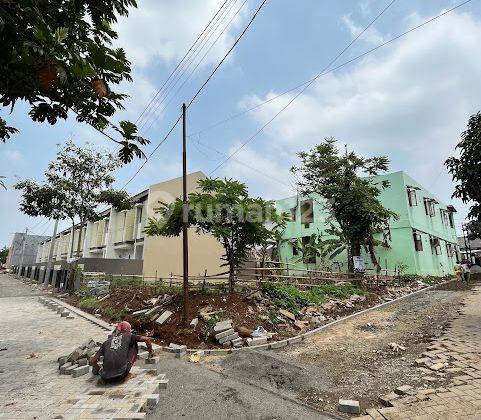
[180, 354]
[64, 314]
[70, 316]
[225, 333]
[143, 355]
[163, 383]
[81, 370]
[223, 325]
[164, 317]
[63, 367]
[70, 369]
[228, 338]
[152, 360]
[152, 399]
[83, 362]
[349, 406]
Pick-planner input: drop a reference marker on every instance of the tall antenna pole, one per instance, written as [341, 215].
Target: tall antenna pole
[185, 218]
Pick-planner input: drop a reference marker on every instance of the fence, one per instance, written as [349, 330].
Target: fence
[271, 271]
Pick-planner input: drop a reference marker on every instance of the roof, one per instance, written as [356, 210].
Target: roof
[475, 243]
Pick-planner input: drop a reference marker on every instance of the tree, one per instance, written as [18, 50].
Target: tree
[57, 56]
[466, 171]
[77, 182]
[3, 255]
[352, 200]
[224, 209]
[473, 229]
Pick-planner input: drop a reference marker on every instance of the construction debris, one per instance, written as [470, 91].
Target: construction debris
[396, 348]
[349, 406]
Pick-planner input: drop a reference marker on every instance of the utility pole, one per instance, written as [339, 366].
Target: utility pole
[23, 252]
[46, 279]
[185, 218]
[469, 245]
[463, 226]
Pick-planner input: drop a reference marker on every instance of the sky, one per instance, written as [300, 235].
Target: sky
[409, 100]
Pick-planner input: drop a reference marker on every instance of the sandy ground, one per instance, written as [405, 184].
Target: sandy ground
[353, 359]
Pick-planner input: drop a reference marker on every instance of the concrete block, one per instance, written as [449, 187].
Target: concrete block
[163, 383]
[64, 314]
[163, 318]
[256, 341]
[143, 355]
[81, 370]
[228, 338]
[225, 333]
[60, 309]
[152, 360]
[152, 400]
[83, 362]
[238, 342]
[70, 317]
[294, 340]
[142, 311]
[181, 353]
[70, 369]
[179, 349]
[194, 322]
[223, 325]
[62, 360]
[278, 344]
[349, 406]
[63, 367]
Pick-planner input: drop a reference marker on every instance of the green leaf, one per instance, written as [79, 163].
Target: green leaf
[61, 34]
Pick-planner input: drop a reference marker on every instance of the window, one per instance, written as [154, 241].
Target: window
[444, 217]
[293, 213]
[418, 241]
[429, 207]
[449, 249]
[451, 219]
[435, 245]
[307, 212]
[412, 197]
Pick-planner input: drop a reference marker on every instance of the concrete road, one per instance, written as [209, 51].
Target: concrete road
[196, 392]
[32, 388]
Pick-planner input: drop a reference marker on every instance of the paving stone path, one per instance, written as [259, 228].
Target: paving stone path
[455, 358]
[32, 338]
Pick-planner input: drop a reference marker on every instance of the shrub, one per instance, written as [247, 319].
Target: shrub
[293, 299]
[89, 303]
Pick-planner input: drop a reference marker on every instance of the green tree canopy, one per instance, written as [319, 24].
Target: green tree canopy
[224, 209]
[77, 182]
[351, 199]
[57, 56]
[466, 171]
[3, 254]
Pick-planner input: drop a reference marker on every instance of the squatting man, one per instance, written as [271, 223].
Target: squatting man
[119, 353]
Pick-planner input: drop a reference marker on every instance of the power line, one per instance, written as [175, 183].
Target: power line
[198, 92]
[198, 64]
[300, 85]
[207, 34]
[332, 70]
[180, 62]
[227, 54]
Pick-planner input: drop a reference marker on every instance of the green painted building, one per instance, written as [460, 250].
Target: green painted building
[423, 240]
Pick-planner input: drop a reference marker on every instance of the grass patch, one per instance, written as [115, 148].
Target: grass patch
[293, 299]
[88, 303]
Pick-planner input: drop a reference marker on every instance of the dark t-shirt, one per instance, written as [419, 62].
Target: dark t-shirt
[117, 351]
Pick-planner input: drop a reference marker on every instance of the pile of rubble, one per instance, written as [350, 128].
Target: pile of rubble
[156, 309]
[77, 362]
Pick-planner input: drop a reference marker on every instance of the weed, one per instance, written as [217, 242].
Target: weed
[88, 303]
[293, 299]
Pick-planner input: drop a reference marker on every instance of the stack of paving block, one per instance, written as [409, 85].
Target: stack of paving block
[225, 334]
[77, 362]
[60, 309]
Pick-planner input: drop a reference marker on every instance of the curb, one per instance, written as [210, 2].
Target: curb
[269, 346]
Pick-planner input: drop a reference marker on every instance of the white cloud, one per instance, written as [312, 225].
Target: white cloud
[372, 35]
[267, 176]
[410, 101]
[165, 30]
